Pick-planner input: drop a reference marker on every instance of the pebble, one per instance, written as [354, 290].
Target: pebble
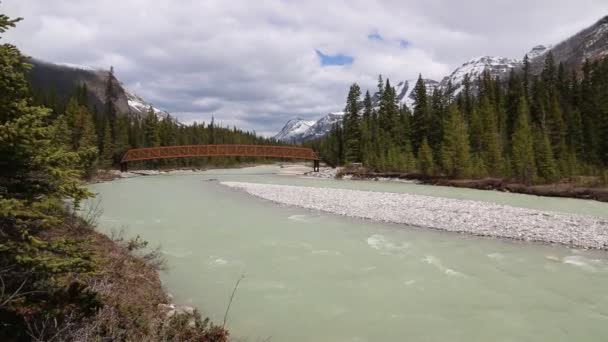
[455, 215]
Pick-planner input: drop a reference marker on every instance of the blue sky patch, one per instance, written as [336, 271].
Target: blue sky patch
[404, 44]
[375, 36]
[337, 59]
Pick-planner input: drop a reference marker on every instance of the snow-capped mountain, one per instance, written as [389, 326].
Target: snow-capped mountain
[497, 66]
[322, 126]
[139, 106]
[589, 44]
[405, 90]
[293, 130]
[298, 130]
[64, 77]
[539, 50]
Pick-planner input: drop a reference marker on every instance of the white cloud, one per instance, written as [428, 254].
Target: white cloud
[253, 63]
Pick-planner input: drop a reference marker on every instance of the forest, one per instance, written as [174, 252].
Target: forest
[60, 280]
[529, 128]
[107, 133]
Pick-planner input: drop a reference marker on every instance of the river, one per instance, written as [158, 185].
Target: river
[310, 276]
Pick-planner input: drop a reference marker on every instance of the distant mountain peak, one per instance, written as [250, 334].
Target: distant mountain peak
[65, 77]
[293, 130]
[497, 66]
[538, 50]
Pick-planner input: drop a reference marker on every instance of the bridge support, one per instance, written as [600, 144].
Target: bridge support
[123, 167]
[315, 167]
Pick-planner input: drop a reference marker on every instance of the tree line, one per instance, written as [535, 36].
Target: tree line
[531, 128]
[51, 261]
[105, 133]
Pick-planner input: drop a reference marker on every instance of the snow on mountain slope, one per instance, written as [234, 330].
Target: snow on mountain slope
[140, 107]
[539, 50]
[589, 44]
[75, 66]
[405, 90]
[322, 126]
[293, 130]
[497, 66]
[298, 130]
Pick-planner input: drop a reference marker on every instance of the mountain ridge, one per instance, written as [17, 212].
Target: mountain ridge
[590, 44]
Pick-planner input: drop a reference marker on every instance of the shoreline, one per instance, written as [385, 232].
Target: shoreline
[444, 214]
[561, 189]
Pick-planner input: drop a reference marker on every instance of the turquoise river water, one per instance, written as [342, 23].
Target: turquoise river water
[310, 276]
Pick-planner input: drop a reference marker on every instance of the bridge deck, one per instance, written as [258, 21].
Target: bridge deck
[185, 151]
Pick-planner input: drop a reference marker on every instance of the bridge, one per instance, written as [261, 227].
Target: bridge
[189, 151]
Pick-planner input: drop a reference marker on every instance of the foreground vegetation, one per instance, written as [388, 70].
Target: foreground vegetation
[528, 129]
[59, 280]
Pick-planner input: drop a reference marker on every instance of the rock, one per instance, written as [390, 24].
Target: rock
[455, 215]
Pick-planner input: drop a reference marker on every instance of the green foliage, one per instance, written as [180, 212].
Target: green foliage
[352, 125]
[455, 151]
[39, 170]
[425, 159]
[530, 128]
[545, 161]
[524, 167]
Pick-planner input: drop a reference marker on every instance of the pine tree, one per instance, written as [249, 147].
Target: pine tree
[107, 149]
[455, 151]
[524, 167]
[491, 150]
[37, 176]
[111, 96]
[420, 121]
[425, 158]
[545, 161]
[151, 137]
[368, 108]
[352, 125]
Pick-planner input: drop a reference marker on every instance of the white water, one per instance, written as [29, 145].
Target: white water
[318, 277]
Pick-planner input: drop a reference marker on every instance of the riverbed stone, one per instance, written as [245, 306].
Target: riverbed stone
[455, 215]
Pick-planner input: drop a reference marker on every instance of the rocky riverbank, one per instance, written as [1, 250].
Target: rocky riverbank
[561, 189]
[462, 216]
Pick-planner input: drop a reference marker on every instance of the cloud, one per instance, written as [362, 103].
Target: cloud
[256, 65]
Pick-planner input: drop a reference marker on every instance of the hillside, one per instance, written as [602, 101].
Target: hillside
[61, 80]
[589, 44]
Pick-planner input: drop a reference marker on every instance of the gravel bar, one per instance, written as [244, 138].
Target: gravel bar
[463, 216]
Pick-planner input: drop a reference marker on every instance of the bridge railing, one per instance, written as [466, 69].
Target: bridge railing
[185, 151]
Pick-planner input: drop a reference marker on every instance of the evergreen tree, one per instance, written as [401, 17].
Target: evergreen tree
[107, 149]
[426, 161]
[151, 136]
[352, 125]
[111, 96]
[420, 118]
[524, 167]
[36, 176]
[367, 108]
[545, 161]
[455, 151]
[491, 150]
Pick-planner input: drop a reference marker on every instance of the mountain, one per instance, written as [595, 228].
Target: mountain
[539, 50]
[322, 126]
[404, 91]
[293, 130]
[589, 44]
[497, 66]
[63, 78]
[298, 130]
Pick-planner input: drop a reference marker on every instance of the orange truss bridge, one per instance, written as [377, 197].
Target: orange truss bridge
[188, 151]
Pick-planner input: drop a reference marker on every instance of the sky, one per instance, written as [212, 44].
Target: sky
[257, 64]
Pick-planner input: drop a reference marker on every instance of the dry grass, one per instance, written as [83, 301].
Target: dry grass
[134, 301]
